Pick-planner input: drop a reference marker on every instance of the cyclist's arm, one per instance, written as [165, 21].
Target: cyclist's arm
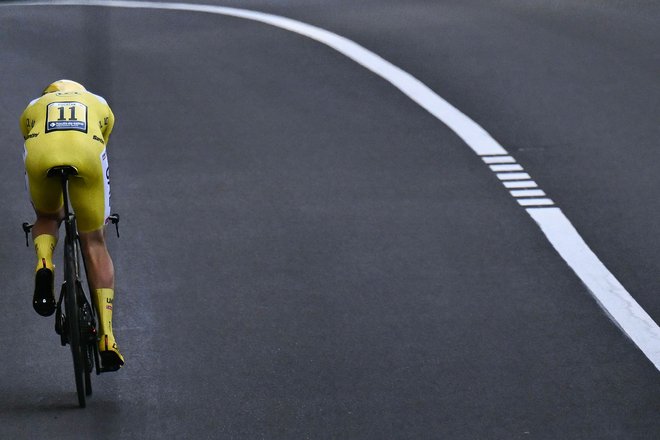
[27, 121]
[107, 129]
[108, 119]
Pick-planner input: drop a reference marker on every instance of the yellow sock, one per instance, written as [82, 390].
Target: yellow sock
[44, 245]
[103, 299]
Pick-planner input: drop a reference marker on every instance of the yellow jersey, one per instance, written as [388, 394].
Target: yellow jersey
[69, 128]
[64, 116]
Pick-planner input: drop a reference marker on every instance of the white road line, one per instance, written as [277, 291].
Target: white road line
[498, 159]
[527, 193]
[609, 293]
[521, 184]
[513, 176]
[511, 167]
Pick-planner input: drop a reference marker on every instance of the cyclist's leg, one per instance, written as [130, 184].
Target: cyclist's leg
[45, 233]
[90, 198]
[97, 259]
[46, 197]
[47, 222]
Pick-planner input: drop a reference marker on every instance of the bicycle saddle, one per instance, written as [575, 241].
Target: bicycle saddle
[62, 170]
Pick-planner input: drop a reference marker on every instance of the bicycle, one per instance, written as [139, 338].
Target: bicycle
[77, 324]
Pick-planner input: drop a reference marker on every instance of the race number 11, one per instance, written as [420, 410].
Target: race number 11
[69, 115]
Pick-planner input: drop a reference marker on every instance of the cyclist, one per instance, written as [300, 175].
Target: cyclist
[68, 125]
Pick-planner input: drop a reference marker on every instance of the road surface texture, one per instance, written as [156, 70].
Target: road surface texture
[307, 253]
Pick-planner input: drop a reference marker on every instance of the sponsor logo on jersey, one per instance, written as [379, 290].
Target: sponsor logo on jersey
[67, 125]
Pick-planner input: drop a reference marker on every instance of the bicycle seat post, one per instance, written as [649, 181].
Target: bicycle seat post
[63, 172]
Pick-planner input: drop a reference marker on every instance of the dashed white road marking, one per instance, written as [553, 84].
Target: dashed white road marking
[513, 176]
[521, 184]
[506, 167]
[608, 292]
[527, 193]
[535, 202]
[498, 159]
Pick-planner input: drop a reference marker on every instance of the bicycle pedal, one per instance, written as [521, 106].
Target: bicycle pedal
[61, 326]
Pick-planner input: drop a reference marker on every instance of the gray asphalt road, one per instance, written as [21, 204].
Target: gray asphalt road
[306, 253]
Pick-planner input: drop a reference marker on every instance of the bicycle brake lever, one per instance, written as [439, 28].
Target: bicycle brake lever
[27, 228]
[114, 219]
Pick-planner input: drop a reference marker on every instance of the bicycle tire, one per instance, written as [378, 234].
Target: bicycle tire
[73, 319]
[89, 339]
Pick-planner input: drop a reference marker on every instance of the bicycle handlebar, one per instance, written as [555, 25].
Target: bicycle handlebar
[27, 227]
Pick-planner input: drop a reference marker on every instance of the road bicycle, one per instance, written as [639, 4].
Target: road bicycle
[76, 324]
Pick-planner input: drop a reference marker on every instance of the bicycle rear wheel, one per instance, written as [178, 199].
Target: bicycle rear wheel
[88, 337]
[73, 320]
